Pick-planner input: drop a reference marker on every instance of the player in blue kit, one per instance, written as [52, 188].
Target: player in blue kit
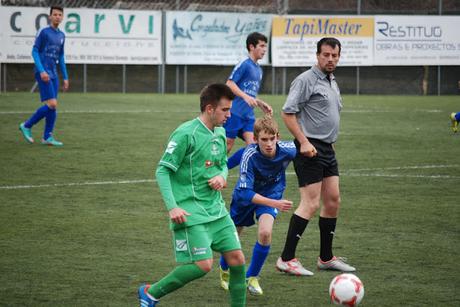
[245, 81]
[47, 52]
[455, 119]
[258, 194]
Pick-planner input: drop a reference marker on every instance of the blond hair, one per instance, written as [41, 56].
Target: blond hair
[267, 124]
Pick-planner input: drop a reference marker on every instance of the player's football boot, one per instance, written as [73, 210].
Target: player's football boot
[224, 278]
[144, 299]
[26, 133]
[293, 267]
[52, 142]
[336, 263]
[454, 122]
[253, 286]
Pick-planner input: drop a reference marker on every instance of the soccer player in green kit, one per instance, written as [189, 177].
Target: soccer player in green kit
[191, 175]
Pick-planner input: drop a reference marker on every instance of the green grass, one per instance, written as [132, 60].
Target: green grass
[92, 244]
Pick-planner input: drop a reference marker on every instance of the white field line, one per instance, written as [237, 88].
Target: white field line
[403, 167]
[194, 111]
[349, 173]
[71, 184]
[103, 111]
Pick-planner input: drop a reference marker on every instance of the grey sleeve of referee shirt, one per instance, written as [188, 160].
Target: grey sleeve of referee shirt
[299, 93]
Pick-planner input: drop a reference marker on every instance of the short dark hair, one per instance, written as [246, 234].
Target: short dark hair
[59, 8]
[213, 93]
[254, 38]
[330, 41]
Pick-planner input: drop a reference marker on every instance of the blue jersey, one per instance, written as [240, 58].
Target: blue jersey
[48, 51]
[262, 175]
[248, 76]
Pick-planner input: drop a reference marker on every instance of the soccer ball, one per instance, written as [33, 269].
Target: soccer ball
[346, 290]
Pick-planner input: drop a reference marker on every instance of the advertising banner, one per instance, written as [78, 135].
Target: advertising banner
[92, 36]
[294, 39]
[207, 38]
[417, 40]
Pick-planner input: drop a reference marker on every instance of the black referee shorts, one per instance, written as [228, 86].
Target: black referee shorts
[313, 170]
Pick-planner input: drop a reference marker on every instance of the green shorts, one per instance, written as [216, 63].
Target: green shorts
[197, 242]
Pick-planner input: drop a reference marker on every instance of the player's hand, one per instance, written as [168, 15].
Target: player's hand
[265, 107]
[307, 149]
[44, 76]
[217, 183]
[178, 215]
[65, 85]
[283, 205]
[251, 101]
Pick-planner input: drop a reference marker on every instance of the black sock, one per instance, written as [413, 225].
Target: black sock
[297, 226]
[326, 229]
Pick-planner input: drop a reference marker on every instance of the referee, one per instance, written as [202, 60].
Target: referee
[312, 115]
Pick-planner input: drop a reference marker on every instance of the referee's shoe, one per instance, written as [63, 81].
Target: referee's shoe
[336, 263]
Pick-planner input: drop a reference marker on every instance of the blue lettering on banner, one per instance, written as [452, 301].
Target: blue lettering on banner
[203, 28]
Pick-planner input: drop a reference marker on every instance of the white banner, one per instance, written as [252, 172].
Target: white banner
[92, 36]
[211, 38]
[417, 40]
[294, 39]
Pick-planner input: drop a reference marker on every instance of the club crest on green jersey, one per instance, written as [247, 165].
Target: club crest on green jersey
[171, 147]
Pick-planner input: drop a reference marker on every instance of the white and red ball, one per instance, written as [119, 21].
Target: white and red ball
[346, 290]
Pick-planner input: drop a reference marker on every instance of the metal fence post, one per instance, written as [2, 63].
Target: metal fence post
[124, 79]
[185, 79]
[358, 9]
[439, 67]
[84, 77]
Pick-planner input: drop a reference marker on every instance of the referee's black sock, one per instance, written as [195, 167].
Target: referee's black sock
[326, 229]
[297, 226]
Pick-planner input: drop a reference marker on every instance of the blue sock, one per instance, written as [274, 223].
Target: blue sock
[235, 159]
[37, 116]
[259, 254]
[49, 124]
[457, 117]
[223, 263]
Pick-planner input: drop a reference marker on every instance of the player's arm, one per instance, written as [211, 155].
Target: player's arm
[238, 92]
[176, 214]
[170, 163]
[36, 57]
[281, 204]
[63, 68]
[290, 109]
[219, 182]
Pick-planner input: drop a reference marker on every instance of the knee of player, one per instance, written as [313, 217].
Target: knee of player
[238, 258]
[334, 201]
[205, 265]
[52, 103]
[310, 205]
[265, 237]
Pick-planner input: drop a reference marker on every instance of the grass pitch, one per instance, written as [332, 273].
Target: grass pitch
[84, 225]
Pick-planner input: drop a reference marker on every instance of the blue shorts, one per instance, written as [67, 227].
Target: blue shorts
[48, 90]
[236, 126]
[243, 215]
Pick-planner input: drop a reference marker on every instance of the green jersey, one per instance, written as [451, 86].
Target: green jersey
[196, 154]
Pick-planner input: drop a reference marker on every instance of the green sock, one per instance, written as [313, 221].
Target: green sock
[179, 277]
[237, 286]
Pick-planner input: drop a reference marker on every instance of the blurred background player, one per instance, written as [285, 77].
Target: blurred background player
[455, 118]
[245, 81]
[258, 193]
[191, 175]
[312, 114]
[48, 50]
